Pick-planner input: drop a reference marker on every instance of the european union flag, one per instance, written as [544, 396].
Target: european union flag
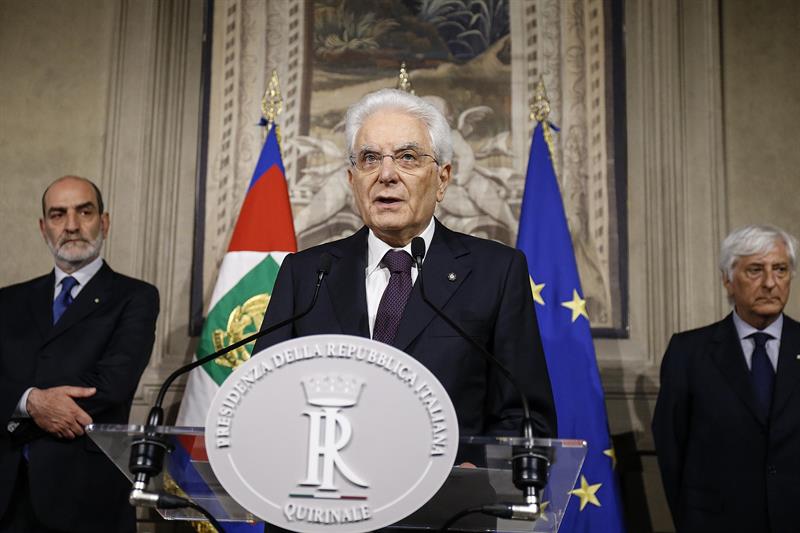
[561, 310]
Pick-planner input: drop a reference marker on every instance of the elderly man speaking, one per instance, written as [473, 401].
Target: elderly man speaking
[400, 155]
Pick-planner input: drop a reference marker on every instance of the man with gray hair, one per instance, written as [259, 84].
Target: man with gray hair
[727, 419]
[400, 165]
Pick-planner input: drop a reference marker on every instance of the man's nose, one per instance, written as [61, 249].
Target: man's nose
[769, 280]
[72, 221]
[388, 170]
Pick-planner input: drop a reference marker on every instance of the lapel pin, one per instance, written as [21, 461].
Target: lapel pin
[97, 300]
[451, 276]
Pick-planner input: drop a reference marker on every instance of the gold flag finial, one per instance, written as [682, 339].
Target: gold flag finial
[403, 81]
[272, 102]
[540, 111]
[540, 107]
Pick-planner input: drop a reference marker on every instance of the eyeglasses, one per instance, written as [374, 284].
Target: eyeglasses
[408, 160]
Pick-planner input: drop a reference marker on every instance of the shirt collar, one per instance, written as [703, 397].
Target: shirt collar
[744, 330]
[82, 275]
[377, 248]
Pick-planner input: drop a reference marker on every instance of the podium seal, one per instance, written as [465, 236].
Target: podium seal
[331, 433]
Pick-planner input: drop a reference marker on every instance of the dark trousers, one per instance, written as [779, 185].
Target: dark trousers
[19, 516]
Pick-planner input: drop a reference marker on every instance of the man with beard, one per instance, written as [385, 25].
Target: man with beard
[73, 345]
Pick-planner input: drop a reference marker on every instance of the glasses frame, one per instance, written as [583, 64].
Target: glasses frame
[394, 161]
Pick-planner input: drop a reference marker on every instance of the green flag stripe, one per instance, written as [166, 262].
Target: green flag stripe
[258, 281]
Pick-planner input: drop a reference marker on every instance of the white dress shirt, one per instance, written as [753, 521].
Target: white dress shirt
[377, 275]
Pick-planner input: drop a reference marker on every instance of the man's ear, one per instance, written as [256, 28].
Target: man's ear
[727, 284]
[444, 181]
[105, 224]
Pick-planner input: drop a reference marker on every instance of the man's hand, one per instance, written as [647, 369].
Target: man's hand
[55, 411]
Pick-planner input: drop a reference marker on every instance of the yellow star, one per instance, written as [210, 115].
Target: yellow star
[613, 454]
[577, 305]
[536, 289]
[586, 493]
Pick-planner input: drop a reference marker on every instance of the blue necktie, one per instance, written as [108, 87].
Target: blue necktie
[394, 298]
[64, 298]
[761, 371]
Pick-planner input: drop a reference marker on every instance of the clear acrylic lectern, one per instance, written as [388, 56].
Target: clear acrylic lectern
[187, 473]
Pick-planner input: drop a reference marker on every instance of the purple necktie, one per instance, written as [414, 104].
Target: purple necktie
[761, 370]
[394, 297]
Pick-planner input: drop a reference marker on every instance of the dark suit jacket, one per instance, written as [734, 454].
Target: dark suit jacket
[490, 298]
[103, 340]
[725, 466]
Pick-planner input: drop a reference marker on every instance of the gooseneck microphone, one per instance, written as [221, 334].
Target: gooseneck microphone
[529, 465]
[148, 451]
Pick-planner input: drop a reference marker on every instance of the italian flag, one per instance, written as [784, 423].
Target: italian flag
[263, 236]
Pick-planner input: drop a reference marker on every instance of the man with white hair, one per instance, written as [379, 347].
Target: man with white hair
[727, 419]
[400, 166]
[73, 345]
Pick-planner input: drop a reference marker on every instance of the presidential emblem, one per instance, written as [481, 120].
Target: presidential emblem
[331, 433]
[244, 320]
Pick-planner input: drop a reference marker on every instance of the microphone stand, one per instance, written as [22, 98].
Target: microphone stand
[529, 465]
[148, 451]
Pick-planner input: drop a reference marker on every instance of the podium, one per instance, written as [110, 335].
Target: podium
[187, 473]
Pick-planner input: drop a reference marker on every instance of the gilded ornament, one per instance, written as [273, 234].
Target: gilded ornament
[248, 315]
[540, 111]
[540, 107]
[272, 103]
[403, 81]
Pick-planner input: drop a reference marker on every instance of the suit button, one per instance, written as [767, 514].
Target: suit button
[771, 470]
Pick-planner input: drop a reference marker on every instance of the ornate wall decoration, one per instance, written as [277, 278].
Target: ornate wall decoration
[478, 62]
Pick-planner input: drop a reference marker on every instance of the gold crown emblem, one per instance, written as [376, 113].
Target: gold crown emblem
[332, 390]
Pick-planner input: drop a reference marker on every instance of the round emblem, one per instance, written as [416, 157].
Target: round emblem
[331, 433]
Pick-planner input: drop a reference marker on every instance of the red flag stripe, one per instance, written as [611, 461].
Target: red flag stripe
[265, 220]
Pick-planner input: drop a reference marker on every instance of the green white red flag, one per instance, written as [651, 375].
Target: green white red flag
[262, 237]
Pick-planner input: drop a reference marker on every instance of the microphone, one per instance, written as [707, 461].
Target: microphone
[529, 466]
[148, 452]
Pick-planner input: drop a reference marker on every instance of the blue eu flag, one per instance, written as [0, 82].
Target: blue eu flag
[544, 237]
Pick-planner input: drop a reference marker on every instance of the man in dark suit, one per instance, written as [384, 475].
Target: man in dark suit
[73, 345]
[400, 152]
[727, 420]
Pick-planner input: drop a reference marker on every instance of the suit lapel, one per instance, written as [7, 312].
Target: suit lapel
[41, 304]
[347, 283]
[788, 375]
[446, 255]
[91, 297]
[727, 355]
